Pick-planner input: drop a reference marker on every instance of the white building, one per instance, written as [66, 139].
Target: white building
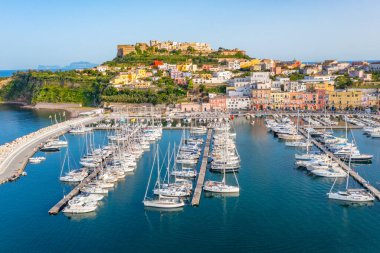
[240, 91]
[212, 80]
[311, 70]
[223, 75]
[276, 86]
[326, 78]
[102, 68]
[260, 77]
[374, 66]
[238, 103]
[295, 87]
[239, 82]
[233, 65]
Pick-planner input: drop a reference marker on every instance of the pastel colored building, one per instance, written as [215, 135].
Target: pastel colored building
[343, 100]
[194, 107]
[238, 103]
[260, 98]
[278, 100]
[218, 102]
[321, 99]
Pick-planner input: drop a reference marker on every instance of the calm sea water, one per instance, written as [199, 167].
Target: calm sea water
[280, 208]
[7, 73]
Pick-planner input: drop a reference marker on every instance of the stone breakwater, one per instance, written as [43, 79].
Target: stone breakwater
[14, 155]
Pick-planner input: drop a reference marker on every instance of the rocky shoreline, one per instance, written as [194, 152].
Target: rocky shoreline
[73, 110]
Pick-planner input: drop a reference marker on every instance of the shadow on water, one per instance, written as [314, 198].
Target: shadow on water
[351, 204]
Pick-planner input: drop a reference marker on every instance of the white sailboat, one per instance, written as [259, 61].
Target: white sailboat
[350, 195]
[160, 202]
[222, 187]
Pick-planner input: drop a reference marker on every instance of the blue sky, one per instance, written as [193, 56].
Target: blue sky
[54, 32]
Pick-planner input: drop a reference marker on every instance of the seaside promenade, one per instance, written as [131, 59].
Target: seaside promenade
[14, 155]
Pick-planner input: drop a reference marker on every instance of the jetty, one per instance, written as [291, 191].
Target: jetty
[58, 207]
[15, 155]
[338, 127]
[202, 172]
[344, 166]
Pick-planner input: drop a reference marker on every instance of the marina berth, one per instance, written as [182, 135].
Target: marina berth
[350, 195]
[171, 199]
[225, 158]
[104, 166]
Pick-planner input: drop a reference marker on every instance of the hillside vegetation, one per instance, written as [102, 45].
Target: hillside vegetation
[55, 87]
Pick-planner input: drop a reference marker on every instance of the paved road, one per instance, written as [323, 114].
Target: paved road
[15, 162]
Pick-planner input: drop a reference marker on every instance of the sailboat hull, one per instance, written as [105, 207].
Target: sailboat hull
[163, 204]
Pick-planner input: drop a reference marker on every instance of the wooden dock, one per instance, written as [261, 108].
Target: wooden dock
[344, 166]
[58, 207]
[202, 172]
[338, 127]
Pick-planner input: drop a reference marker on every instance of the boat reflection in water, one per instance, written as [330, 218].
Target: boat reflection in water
[351, 204]
[163, 211]
[80, 216]
[221, 195]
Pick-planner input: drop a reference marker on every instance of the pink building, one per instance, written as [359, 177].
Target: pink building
[296, 101]
[218, 103]
[194, 107]
[310, 99]
[321, 99]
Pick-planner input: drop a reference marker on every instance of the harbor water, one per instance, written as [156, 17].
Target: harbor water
[279, 209]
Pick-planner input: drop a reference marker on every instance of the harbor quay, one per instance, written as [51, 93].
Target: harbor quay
[142, 127]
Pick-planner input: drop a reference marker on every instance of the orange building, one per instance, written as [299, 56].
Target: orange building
[260, 98]
[157, 63]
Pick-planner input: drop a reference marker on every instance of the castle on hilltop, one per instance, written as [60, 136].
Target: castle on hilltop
[199, 47]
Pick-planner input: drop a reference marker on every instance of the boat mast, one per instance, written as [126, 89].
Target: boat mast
[308, 137]
[349, 168]
[150, 176]
[63, 163]
[168, 165]
[225, 163]
[298, 118]
[158, 173]
[346, 126]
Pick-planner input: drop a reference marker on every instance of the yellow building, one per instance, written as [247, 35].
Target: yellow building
[141, 85]
[343, 100]
[187, 67]
[125, 78]
[323, 86]
[205, 76]
[140, 73]
[279, 100]
[248, 64]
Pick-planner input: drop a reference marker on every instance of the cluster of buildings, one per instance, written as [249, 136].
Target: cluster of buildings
[254, 84]
[262, 100]
[183, 46]
[199, 47]
[315, 90]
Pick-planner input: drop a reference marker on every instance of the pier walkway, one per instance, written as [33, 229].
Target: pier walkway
[15, 155]
[344, 166]
[202, 172]
[338, 127]
[58, 207]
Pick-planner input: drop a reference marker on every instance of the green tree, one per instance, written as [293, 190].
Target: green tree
[342, 82]
[190, 85]
[190, 50]
[202, 88]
